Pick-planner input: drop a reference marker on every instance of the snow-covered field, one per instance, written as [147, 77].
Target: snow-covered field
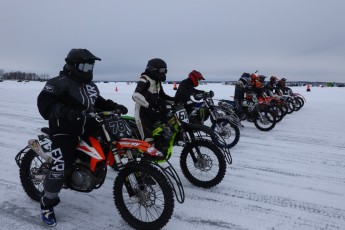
[292, 177]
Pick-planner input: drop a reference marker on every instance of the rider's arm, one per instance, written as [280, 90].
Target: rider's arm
[164, 96]
[48, 101]
[140, 91]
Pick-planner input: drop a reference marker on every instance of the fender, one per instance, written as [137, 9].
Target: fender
[127, 143]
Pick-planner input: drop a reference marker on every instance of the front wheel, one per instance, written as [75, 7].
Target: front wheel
[291, 106]
[229, 132]
[203, 163]
[278, 112]
[265, 120]
[143, 196]
[32, 172]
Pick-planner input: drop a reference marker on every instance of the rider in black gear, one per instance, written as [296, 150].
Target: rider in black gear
[150, 98]
[281, 85]
[187, 88]
[64, 101]
[243, 85]
[271, 85]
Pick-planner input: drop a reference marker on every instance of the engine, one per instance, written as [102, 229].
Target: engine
[82, 179]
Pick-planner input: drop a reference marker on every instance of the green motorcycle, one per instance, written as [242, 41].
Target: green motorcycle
[202, 162]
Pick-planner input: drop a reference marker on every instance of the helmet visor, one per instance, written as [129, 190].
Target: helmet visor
[162, 70]
[159, 70]
[85, 67]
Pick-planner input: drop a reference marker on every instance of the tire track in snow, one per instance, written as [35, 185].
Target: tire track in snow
[321, 210]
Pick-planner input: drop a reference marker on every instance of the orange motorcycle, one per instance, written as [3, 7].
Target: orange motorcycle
[143, 190]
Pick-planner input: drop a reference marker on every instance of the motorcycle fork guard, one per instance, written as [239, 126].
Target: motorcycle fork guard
[174, 181]
[129, 187]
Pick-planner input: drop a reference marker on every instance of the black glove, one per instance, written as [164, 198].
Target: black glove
[121, 109]
[73, 115]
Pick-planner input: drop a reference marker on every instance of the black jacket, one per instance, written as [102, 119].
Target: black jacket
[185, 91]
[63, 93]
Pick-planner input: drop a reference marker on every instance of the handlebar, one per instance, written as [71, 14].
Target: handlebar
[204, 95]
[100, 114]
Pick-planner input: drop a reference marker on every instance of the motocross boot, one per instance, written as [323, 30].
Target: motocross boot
[47, 210]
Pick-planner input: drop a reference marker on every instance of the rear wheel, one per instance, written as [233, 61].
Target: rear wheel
[32, 173]
[143, 196]
[203, 163]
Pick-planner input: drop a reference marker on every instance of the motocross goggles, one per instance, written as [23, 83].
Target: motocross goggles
[85, 67]
[159, 70]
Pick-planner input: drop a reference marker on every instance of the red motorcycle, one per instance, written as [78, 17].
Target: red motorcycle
[143, 189]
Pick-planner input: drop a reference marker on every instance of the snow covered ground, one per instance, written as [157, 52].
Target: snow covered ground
[292, 177]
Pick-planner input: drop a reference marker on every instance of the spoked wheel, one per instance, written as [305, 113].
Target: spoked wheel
[143, 196]
[278, 112]
[298, 104]
[300, 100]
[203, 163]
[283, 106]
[32, 172]
[291, 106]
[229, 132]
[265, 121]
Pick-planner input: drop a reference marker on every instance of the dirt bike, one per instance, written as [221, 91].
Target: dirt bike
[276, 105]
[260, 114]
[226, 125]
[293, 105]
[298, 97]
[202, 162]
[143, 190]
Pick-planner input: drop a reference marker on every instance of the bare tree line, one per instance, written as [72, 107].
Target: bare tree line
[22, 76]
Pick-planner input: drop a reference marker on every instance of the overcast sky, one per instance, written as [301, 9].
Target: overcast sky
[295, 39]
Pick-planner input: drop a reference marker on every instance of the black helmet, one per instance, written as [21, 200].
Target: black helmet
[262, 78]
[156, 63]
[80, 64]
[81, 56]
[156, 68]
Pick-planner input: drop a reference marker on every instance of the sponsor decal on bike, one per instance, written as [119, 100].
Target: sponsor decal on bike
[91, 151]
